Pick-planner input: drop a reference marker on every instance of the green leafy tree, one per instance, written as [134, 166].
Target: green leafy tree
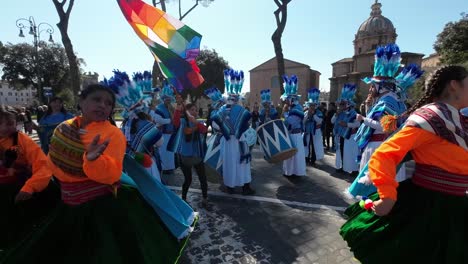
[211, 68]
[452, 42]
[21, 70]
[417, 91]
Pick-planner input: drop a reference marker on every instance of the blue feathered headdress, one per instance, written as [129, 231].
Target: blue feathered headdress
[290, 88]
[167, 92]
[216, 97]
[387, 63]
[144, 80]
[265, 96]
[128, 94]
[347, 93]
[313, 95]
[233, 81]
[406, 79]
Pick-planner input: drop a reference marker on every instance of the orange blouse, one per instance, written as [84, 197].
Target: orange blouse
[30, 154]
[426, 148]
[107, 168]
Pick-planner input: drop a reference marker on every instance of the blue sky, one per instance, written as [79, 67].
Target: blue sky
[317, 33]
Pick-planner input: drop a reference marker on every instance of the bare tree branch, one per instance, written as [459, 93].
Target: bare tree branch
[186, 13]
[62, 25]
[70, 6]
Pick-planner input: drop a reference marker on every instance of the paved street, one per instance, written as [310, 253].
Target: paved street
[287, 221]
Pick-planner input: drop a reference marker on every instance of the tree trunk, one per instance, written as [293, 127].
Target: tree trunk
[64, 16]
[276, 37]
[279, 59]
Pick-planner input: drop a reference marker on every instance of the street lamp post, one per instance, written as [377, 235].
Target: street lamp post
[35, 30]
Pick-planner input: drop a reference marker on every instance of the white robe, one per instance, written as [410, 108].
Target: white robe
[296, 165]
[167, 157]
[351, 151]
[234, 173]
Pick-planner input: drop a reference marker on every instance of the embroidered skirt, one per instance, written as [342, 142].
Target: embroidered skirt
[424, 226]
[107, 229]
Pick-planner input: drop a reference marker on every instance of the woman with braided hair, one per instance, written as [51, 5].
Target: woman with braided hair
[423, 219]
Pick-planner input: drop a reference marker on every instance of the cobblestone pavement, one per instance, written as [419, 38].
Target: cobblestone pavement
[287, 221]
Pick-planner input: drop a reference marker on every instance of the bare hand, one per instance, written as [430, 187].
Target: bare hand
[94, 149]
[192, 119]
[383, 207]
[22, 196]
[359, 117]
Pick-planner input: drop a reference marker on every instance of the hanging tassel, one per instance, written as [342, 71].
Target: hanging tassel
[143, 159]
[389, 123]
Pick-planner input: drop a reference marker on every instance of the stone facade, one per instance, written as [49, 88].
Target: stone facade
[431, 62]
[13, 97]
[89, 78]
[375, 31]
[265, 76]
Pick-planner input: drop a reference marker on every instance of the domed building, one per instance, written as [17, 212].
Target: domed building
[375, 31]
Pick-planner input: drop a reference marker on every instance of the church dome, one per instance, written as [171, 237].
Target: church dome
[376, 24]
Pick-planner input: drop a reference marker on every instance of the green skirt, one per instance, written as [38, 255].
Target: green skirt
[117, 230]
[423, 227]
[19, 220]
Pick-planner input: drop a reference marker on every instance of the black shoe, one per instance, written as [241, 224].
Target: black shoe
[246, 190]
[229, 190]
[204, 202]
[340, 170]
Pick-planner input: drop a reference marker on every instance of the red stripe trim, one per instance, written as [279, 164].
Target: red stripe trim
[436, 179]
[81, 192]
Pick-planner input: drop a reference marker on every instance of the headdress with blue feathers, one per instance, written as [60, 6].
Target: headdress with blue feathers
[130, 95]
[265, 96]
[215, 95]
[144, 80]
[233, 81]
[290, 88]
[167, 92]
[347, 93]
[313, 95]
[387, 63]
[406, 79]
